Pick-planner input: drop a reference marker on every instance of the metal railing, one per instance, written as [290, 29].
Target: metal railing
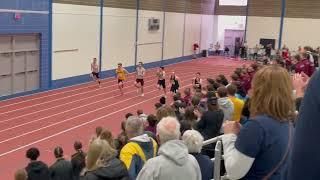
[218, 157]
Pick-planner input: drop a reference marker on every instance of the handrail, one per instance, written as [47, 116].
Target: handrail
[213, 140]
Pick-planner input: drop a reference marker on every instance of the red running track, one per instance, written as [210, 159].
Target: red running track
[59, 117]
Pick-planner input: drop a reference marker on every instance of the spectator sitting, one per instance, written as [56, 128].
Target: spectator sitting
[225, 103]
[99, 130]
[122, 137]
[187, 97]
[163, 100]
[194, 141]
[260, 149]
[107, 135]
[36, 170]
[139, 149]
[78, 160]
[142, 115]
[61, 169]
[245, 112]
[238, 104]
[176, 107]
[173, 161]
[102, 164]
[210, 124]
[185, 126]
[190, 116]
[21, 174]
[195, 100]
[158, 105]
[221, 79]
[165, 111]
[152, 124]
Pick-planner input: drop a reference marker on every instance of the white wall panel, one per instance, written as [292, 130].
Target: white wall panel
[76, 36]
[149, 41]
[192, 32]
[262, 27]
[301, 32]
[173, 35]
[207, 31]
[119, 27]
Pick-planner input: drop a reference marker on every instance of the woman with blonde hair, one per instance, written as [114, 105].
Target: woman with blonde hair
[107, 135]
[102, 164]
[20, 174]
[260, 149]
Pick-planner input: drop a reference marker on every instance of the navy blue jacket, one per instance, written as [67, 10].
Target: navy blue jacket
[305, 158]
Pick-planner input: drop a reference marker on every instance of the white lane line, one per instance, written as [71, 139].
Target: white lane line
[71, 90]
[69, 110]
[115, 90]
[54, 100]
[80, 125]
[74, 117]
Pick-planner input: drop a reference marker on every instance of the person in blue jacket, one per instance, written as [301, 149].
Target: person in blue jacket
[305, 158]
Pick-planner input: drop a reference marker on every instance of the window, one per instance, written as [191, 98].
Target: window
[233, 2]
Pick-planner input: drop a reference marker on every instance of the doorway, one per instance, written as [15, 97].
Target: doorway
[232, 37]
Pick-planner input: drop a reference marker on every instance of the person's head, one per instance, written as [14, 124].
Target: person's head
[272, 93]
[222, 92]
[77, 145]
[33, 154]
[119, 65]
[152, 120]
[140, 64]
[210, 88]
[58, 152]
[168, 129]
[107, 135]
[173, 73]
[195, 100]
[157, 105]
[198, 75]
[176, 97]
[297, 58]
[232, 89]
[235, 77]
[189, 114]
[212, 103]
[20, 174]
[134, 127]
[185, 125]
[128, 115]
[99, 153]
[161, 68]
[94, 60]
[165, 111]
[187, 92]
[99, 130]
[163, 100]
[139, 112]
[193, 140]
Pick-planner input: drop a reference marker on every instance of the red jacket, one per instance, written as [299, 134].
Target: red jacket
[305, 66]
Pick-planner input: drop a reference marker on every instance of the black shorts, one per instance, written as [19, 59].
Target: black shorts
[120, 81]
[141, 81]
[96, 75]
[162, 83]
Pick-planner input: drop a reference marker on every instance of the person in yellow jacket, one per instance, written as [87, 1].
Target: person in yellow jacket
[139, 148]
[237, 103]
[121, 76]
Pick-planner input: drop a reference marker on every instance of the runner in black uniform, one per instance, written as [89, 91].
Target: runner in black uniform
[174, 83]
[197, 82]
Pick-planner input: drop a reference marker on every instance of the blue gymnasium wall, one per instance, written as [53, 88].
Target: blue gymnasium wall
[36, 20]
